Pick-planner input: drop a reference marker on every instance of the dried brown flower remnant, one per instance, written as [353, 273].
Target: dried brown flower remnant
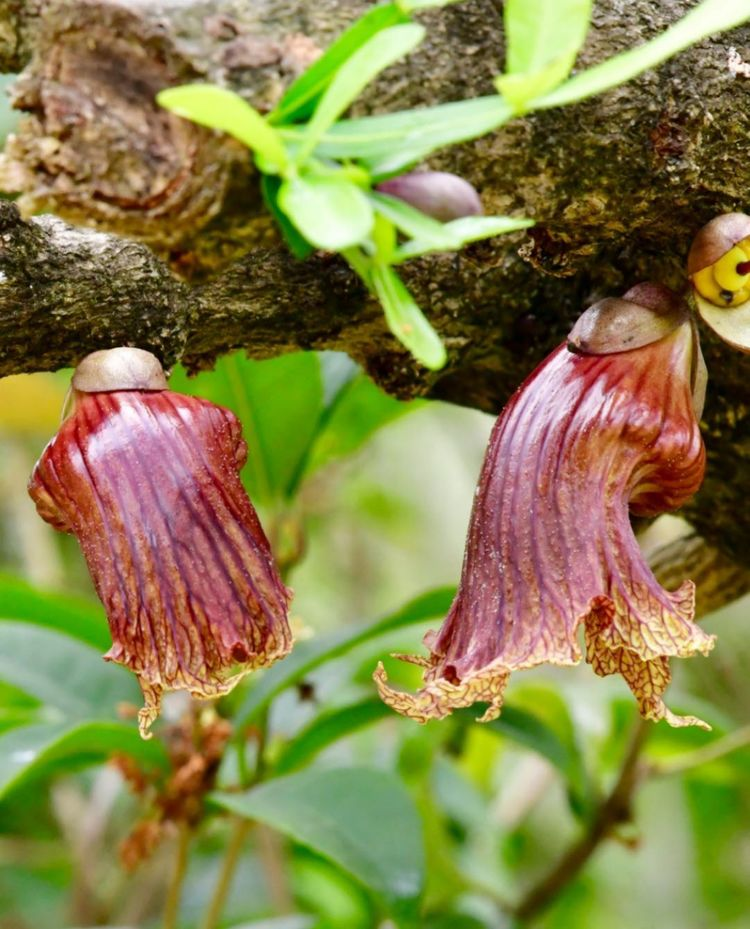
[585, 439]
[148, 481]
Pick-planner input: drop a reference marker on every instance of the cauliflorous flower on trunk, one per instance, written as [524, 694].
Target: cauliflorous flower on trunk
[585, 440]
[148, 481]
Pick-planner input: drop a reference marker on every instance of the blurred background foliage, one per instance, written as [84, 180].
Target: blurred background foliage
[375, 821]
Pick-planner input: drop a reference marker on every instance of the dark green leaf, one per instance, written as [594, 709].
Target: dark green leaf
[331, 212]
[33, 751]
[375, 55]
[363, 820]
[405, 319]
[298, 245]
[301, 96]
[278, 402]
[328, 728]
[360, 409]
[219, 108]
[82, 619]
[306, 656]
[63, 673]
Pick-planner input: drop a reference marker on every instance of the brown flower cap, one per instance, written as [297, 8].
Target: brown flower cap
[148, 481]
[719, 270]
[123, 368]
[550, 545]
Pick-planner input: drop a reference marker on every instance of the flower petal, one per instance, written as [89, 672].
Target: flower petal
[550, 544]
[148, 482]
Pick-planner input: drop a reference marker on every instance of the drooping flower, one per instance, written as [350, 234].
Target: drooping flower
[441, 195]
[148, 481]
[585, 440]
[719, 270]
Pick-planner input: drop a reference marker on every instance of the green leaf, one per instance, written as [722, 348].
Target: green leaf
[467, 229]
[543, 38]
[34, 751]
[708, 18]
[269, 188]
[82, 619]
[405, 319]
[328, 728]
[306, 656]
[415, 223]
[331, 212]
[361, 819]
[278, 402]
[219, 108]
[360, 409]
[389, 142]
[410, 6]
[547, 730]
[377, 53]
[63, 673]
[300, 97]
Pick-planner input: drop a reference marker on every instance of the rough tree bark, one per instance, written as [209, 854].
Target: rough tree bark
[184, 260]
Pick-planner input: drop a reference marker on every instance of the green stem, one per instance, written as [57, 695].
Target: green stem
[700, 756]
[172, 903]
[240, 829]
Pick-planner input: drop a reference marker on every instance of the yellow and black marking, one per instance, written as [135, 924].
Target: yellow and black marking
[726, 283]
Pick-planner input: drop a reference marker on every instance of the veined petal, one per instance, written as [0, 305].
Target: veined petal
[148, 482]
[550, 546]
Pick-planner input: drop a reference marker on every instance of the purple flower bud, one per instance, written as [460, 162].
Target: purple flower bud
[438, 194]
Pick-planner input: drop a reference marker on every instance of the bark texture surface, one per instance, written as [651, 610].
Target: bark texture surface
[161, 239]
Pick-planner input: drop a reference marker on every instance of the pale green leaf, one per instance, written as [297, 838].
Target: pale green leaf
[379, 51]
[219, 108]
[405, 319]
[708, 18]
[330, 212]
[464, 230]
[303, 93]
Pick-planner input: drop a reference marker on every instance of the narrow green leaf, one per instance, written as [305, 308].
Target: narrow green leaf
[328, 728]
[361, 819]
[543, 38]
[330, 212]
[33, 751]
[378, 52]
[219, 108]
[708, 18]
[63, 673]
[278, 401]
[415, 223]
[80, 618]
[302, 94]
[467, 229]
[411, 6]
[408, 135]
[307, 656]
[405, 319]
